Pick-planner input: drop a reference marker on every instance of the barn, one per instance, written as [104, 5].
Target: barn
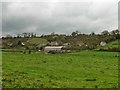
[53, 48]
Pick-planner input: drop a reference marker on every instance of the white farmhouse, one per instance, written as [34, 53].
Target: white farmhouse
[102, 43]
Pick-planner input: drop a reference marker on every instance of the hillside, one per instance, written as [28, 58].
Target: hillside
[71, 42]
[37, 40]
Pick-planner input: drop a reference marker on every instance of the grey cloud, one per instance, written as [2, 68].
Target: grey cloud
[0, 19]
[59, 17]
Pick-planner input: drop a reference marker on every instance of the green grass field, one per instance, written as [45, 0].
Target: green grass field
[37, 40]
[85, 69]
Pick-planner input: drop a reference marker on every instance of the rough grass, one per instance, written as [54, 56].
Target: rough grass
[87, 69]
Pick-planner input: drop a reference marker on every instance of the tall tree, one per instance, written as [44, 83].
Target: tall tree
[105, 32]
[92, 33]
[8, 36]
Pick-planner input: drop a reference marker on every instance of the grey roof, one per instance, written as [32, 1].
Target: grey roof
[54, 47]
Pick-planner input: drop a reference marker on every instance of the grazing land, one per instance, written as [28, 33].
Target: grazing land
[85, 69]
[37, 40]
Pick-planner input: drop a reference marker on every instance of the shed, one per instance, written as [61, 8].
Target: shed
[53, 48]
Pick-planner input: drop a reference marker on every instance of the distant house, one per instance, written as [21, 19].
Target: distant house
[10, 44]
[65, 44]
[53, 48]
[102, 43]
[22, 44]
[53, 44]
[80, 43]
[55, 36]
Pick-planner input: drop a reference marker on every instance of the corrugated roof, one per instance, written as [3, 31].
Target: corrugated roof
[53, 46]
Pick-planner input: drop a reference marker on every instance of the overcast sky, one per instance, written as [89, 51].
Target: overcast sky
[58, 17]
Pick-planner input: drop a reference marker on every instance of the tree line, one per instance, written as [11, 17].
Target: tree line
[114, 33]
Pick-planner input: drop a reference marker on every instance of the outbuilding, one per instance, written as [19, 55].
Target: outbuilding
[53, 48]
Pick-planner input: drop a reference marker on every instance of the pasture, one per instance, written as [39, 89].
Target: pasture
[85, 69]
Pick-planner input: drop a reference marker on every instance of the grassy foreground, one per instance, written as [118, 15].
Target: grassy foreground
[86, 69]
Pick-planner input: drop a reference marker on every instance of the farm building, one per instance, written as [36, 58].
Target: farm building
[53, 48]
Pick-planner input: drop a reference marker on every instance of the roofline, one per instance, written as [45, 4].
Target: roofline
[54, 46]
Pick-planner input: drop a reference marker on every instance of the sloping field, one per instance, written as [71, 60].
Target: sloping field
[111, 45]
[86, 69]
[37, 40]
